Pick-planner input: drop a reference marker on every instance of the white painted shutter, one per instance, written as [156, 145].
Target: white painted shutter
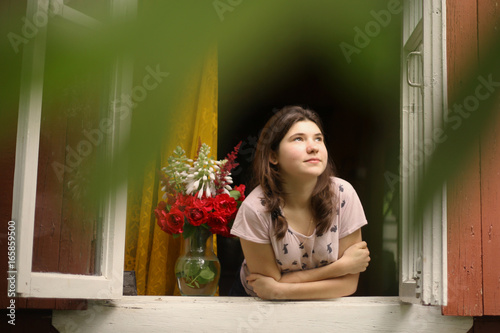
[108, 281]
[423, 103]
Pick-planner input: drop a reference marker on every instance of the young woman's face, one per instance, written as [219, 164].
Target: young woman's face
[302, 152]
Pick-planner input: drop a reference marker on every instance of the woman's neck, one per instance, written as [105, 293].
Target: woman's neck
[299, 193]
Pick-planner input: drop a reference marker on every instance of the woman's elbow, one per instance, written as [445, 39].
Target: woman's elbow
[352, 290]
[352, 284]
[276, 275]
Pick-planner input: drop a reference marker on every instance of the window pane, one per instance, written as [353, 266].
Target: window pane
[67, 217]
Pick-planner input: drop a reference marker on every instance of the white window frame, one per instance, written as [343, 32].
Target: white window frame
[253, 314]
[109, 283]
[423, 248]
[422, 268]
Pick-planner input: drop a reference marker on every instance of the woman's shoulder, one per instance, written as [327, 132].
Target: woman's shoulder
[341, 185]
[255, 200]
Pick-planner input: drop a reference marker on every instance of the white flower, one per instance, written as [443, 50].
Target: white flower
[196, 177]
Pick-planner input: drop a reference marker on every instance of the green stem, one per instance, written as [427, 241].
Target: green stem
[198, 240]
[190, 283]
[198, 243]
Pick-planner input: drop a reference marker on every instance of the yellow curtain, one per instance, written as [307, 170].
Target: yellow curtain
[150, 252]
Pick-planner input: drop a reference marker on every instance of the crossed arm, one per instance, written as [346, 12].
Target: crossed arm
[337, 279]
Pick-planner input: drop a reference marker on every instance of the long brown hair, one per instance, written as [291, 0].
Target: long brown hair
[268, 176]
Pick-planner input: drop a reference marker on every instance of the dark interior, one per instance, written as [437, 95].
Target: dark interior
[360, 113]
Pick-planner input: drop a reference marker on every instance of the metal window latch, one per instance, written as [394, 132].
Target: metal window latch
[408, 78]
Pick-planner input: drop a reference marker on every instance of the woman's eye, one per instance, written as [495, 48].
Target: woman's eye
[319, 139]
[297, 139]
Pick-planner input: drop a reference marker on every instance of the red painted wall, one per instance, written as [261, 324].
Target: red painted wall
[474, 195]
[489, 30]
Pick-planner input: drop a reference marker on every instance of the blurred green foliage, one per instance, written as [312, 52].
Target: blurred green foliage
[174, 35]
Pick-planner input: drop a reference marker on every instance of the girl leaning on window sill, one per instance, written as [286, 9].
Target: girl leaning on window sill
[300, 228]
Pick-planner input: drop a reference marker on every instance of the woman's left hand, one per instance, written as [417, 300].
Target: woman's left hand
[264, 286]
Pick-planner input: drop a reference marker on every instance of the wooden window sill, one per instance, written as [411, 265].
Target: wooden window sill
[248, 314]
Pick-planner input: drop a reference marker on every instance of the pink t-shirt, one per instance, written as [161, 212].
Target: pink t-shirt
[296, 251]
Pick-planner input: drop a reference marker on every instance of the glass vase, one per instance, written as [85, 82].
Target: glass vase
[198, 268]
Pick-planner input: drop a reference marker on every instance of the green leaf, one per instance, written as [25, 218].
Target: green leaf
[191, 268]
[188, 229]
[235, 194]
[207, 274]
[202, 280]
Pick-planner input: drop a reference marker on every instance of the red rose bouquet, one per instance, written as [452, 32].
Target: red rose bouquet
[198, 194]
[199, 202]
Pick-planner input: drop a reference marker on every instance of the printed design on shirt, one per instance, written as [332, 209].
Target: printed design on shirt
[297, 252]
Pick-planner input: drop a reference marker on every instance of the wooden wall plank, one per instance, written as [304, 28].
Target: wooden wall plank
[464, 197]
[488, 25]
[488, 31]
[490, 209]
[464, 243]
[461, 44]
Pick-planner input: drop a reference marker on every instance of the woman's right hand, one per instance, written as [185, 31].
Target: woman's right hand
[356, 258]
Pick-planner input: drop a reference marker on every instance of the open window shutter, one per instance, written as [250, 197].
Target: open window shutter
[423, 101]
[67, 246]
